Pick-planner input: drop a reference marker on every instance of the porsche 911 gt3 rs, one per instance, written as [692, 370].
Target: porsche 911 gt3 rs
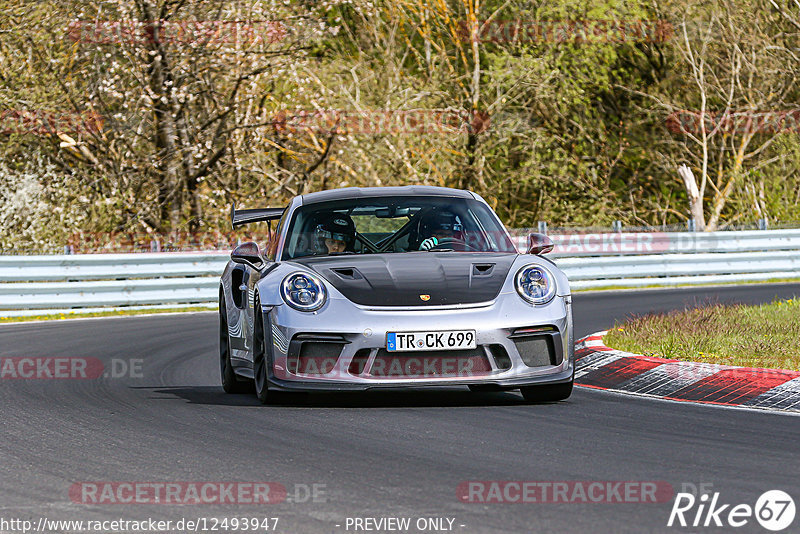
[414, 286]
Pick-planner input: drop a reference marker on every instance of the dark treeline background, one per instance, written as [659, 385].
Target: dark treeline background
[147, 116]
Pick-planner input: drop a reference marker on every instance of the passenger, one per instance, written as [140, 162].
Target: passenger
[336, 235]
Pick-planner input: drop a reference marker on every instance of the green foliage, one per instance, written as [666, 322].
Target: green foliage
[576, 131]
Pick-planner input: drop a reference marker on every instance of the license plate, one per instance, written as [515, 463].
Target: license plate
[437, 340]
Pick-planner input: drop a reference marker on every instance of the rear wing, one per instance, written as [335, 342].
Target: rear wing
[240, 217]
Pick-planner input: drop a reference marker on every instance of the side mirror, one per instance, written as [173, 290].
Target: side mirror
[248, 254]
[539, 244]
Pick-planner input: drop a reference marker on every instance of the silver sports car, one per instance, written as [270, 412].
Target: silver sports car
[415, 286]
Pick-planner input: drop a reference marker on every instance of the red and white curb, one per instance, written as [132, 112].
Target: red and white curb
[598, 366]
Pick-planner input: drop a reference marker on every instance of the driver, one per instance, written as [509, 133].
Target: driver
[440, 227]
[335, 235]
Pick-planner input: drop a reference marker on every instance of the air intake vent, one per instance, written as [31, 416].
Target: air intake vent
[315, 358]
[314, 353]
[500, 356]
[359, 362]
[347, 273]
[532, 330]
[536, 351]
[482, 269]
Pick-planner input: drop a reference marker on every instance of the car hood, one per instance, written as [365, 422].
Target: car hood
[415, 278]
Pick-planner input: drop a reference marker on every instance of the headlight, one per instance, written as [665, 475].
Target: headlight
[303, 292]
[535, 284]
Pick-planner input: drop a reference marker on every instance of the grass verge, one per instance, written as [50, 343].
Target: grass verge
[110, 313]
[765, 336]
[687, 286]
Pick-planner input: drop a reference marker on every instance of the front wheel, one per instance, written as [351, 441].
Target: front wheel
[230, 383]
[260, 358]
[547, 392]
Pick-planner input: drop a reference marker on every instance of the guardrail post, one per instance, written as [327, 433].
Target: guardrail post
[542, 228]
[763, 224]
[616, 228]
[691, 225]
[155, 246]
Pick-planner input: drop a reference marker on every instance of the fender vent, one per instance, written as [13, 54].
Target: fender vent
[239, 277]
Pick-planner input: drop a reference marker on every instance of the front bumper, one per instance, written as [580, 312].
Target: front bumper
[342, 347]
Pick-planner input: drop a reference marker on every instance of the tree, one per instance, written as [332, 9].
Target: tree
[727, 102]
[181, 88]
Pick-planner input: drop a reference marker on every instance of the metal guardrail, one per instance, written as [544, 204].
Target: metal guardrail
[618, 243]
[63, 268]
[675, 258]
[679, 269]
[33, 285]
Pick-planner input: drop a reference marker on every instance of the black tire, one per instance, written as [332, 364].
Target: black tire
[230, 382]
[261, 358]
[547, 392]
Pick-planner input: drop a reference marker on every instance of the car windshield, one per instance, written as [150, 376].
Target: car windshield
[394, 225]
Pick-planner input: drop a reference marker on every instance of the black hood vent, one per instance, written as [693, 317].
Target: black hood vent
[482, 269]
[415, 278]
[347, 273]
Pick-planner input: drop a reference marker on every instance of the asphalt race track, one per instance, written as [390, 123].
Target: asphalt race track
[389, 454]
